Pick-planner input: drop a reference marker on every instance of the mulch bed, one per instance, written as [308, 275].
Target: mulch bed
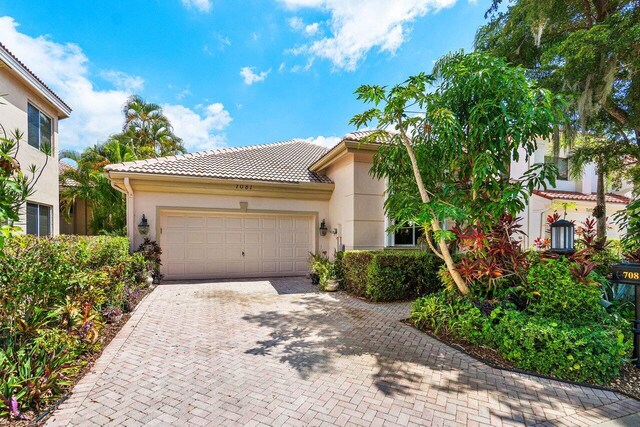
[107, 334]
[628, 383]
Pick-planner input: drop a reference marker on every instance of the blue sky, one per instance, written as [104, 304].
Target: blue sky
[229, 72]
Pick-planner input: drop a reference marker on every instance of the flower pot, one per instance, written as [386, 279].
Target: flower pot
[332, 285]
[149, 280]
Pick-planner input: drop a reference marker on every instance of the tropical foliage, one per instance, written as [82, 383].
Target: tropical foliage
[450, 139]
[15, 186]
[56, 295]
[590, 53]
[146, 133]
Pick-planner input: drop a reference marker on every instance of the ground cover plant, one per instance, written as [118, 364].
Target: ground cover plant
[56, 296]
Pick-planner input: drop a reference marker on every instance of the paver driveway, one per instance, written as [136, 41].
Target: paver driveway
[277, 353]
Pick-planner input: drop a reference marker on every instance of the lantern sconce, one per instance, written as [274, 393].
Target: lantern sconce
[562, 237]
[143, 227]
[323, 228]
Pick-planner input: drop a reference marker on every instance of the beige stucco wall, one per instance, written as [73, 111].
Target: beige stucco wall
[357, 203]
[13, 115]
[534, 217]
[150, 204]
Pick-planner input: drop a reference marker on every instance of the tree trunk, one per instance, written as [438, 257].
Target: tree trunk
[600, 211]
[435, 225]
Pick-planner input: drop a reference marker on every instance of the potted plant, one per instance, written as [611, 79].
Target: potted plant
[331, 281]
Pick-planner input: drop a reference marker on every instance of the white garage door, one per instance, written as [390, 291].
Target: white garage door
[201, 245]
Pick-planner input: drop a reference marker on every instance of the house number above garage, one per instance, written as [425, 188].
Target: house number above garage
[244, 187]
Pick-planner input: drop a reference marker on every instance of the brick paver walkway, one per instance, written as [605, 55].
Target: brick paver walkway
[277, 353]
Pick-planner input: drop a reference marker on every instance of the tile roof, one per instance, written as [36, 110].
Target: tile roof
[63, 167]
[359, 135]
[55, 95]
[574, 195]
[286, 161]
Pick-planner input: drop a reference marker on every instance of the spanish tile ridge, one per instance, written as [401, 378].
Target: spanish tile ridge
[577, 195]
[198, 154]
[28, 70]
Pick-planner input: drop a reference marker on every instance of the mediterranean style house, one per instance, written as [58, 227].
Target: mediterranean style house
[33, 109]
[259, 210]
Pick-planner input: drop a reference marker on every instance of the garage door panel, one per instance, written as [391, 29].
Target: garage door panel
[302, 237]
[194, 253]
[233, 237]
[215, 222]
[286, 266]
[195, 236]
[215, 237]
[210, 245]
[252, 238]
[301, 252]
[195, 222]
[234, 222]
[175, 237]
[268, 223]
[175, 252]
[215, 253]
[175, 221]
[195, 269]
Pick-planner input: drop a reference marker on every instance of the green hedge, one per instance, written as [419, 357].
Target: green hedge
[56, 295]
[390, 275]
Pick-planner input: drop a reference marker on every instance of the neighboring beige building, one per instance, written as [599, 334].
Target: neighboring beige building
[577, 196]
[257, 211]
[33, 109]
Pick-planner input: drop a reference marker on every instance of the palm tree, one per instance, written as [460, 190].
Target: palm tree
[149, 130]
[88, 182]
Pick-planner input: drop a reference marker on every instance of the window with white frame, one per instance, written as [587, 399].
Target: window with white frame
[39, 129]
[407, 235]
[38, 219]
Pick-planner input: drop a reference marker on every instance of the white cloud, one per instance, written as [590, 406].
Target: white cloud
[250, 76]
[123, 81]
[325, 141]
[64, 67]
[297, 24]
[98, 113]
[200, 128]
[199, 5]
[357, 26]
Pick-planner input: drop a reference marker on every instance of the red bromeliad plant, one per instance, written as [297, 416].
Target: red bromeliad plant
[493, 255]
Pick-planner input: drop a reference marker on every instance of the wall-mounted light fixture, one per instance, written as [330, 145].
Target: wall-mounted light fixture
[143, 227]
[323, 228]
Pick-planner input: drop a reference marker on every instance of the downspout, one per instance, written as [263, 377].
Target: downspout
[129, 208]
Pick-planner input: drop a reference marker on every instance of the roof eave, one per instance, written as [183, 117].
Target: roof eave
[343, 147]
[64, 111]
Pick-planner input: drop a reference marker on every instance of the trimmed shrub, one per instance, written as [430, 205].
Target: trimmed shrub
[390, 275]
[354, 268]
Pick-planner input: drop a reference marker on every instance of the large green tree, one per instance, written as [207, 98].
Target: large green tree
[589, 51]
[449, 140]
